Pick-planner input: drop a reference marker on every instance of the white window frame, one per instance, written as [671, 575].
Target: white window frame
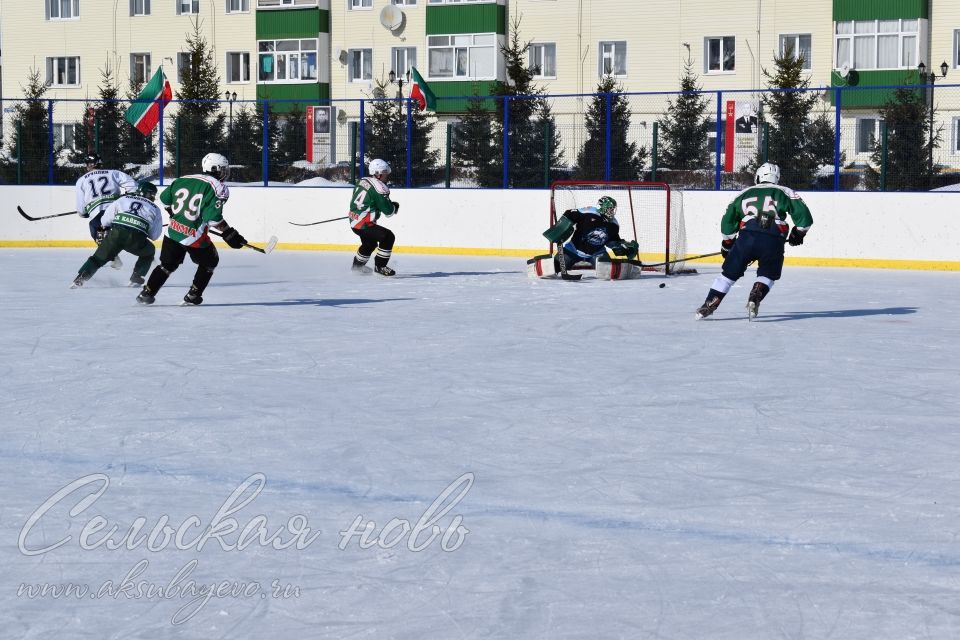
[55, 6]
[401, 63]
[359, 65]
[876, 133]
[145, 8]
[607, 50]
[361, 5]
[148, 67]
[903, 33]
[194, 7]
[706, 55]
[956, 49]
[244, 6]
[301, 53]
[440, 43]
[182, 59]
[244, 59]
[53, 62]
[59, 131]
[285, 4]
[795, 38]
[461, 1]
[543, 47]
[955, 143]
[404, 3]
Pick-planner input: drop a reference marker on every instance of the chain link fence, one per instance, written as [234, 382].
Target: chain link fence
[897, 138]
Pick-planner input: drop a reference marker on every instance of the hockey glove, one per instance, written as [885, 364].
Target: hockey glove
[559, 232]
[796, 237]
[726, 245]
[101, 234]
[396, 208]
[233, 238]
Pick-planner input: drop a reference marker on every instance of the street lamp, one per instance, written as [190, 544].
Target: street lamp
[230, 98]
[931, 78]
[399, 82]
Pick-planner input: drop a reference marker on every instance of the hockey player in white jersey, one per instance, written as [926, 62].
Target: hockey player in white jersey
[96, 189]
[131, 222]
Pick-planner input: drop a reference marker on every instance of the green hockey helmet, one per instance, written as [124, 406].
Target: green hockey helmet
[146, 189]
[607, 207]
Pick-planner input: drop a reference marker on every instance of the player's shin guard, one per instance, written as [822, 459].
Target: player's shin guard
[201, 279]
[383, 257]
[159, 277]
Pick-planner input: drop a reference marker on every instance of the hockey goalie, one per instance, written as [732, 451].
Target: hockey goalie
[588, 238]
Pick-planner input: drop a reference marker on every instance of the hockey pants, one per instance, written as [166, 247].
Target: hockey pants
[375, 237]
[765, 248]
[119, 239]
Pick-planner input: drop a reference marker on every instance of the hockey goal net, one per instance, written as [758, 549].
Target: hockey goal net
[649, 212]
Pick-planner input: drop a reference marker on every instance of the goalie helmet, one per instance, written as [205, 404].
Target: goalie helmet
[379, 166]
[216, 165]
[607, 207]
[146, 189]
[767, 172]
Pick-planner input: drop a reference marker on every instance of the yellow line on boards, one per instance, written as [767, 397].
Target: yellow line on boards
[862, 263]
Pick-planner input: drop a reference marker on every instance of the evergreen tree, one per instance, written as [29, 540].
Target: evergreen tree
[789, 106]
[244, 146]
[626, 159]
[473, 145]
[685, 128]
[529, 118]
[103, 132]
[386, 138]
[199, 121]
[29, 150]
[910, 143]
[137, 150]
[291, 143]
[820, 144]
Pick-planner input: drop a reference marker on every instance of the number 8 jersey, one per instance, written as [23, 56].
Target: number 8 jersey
[194, 202]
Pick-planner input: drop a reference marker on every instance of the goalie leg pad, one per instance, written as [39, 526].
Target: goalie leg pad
[617, 270]
[541, 267]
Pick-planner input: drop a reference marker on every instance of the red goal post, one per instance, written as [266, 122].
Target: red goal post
[649, 212]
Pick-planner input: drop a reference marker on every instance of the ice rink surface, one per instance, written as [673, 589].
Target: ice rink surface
[540, 459]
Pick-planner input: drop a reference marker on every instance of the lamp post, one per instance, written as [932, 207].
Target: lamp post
[931, 78]
[230, 98]
[399, 81]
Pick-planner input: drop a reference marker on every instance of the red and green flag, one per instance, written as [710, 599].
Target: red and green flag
[144, 113]
[421, 92]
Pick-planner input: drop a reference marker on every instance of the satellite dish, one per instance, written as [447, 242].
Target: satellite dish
[391, 17]
[844, 70]
[342, 117]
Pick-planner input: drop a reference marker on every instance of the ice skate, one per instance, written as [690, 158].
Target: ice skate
[707, 308]
[192, 298]
[145, 296]
[136, 281]
[360, 267]
[116, 264]
[385, 271]
[78, 281]
[757, 293]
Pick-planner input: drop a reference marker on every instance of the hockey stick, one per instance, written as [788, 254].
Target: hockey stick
[562, 263]
[55, 215]
[271, 243]
[663, 264]
[310, 224]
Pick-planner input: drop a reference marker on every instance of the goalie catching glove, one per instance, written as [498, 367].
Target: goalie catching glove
[621, 250]
[796, 236]
[726, 245]
[233, 238]
[559, 232]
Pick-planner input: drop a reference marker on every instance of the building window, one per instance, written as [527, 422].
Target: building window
[613, 58]
[404, 3]
[868, 130]
[461, 1]
[956, 48]
[287, 61]
[183, 63]
[63, 9]
[279, 4]
[139, 7]
[402, 60]
[543, 59]
[64, 135]
[720, 54]
[139, 67]
[63, 72]
[360, 63]
[797, 45]
[361, 4]
[238, 6]
[877, 44]
[185, 7]
[238, 67]
[465, 56]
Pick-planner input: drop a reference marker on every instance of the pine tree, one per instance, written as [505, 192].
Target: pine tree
[909, 144]
[291, 144]
[28, 149]
[242, 145]
[473, 145]
[104, 132]
[685, 129]
[199, 121]
[385, 134]
[789, 106]
[137, 150]
[626, 159]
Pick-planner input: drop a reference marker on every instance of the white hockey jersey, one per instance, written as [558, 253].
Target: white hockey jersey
[134, 212]
[97, 189]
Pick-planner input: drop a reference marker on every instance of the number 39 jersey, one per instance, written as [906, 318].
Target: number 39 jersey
[97, 189]
[194, 202]
[764, 208]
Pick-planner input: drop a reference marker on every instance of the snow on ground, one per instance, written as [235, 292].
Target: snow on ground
[613, 468]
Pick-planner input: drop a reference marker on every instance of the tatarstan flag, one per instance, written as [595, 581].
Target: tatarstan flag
[144, 113]
[421, 92]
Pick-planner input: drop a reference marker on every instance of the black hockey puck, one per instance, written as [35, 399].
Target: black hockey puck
[662, 285]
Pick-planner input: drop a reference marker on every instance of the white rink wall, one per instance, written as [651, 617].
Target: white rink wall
[856, 229]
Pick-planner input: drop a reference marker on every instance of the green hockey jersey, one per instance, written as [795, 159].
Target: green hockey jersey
[764, 208]
[370, 200]
[194, 202]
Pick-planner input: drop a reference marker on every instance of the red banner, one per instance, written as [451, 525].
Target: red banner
[729, 134]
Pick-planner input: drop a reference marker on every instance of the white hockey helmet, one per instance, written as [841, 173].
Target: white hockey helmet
[216, 165]
[767, 172]
[379, 166]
